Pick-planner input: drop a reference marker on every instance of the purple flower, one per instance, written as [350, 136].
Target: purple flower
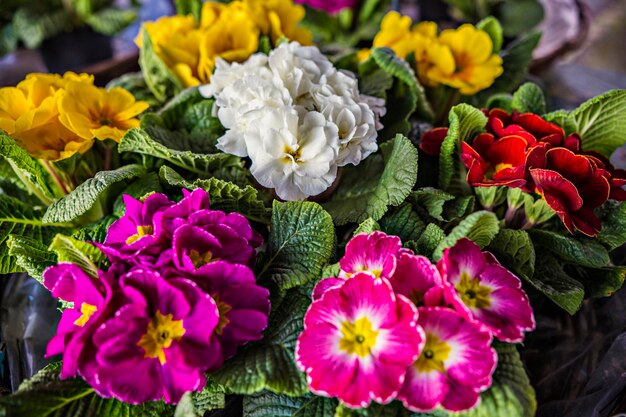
[329, 6]
[91, 298]
[243, 305]
[158, 344]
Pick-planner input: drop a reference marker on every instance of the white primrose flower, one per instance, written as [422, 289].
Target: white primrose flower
[377, 105]
[227, 73]
[242, 102]
[299, 67]
[295, 156]
[356, 128]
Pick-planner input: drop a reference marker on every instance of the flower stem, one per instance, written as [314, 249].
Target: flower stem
[55, 176]
[510, 215]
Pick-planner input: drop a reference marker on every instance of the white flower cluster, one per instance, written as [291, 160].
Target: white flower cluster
[296, 116]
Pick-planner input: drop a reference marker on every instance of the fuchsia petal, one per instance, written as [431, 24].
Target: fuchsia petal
[464, 257]
[324, 285]
[423, 391]
[460, 398]
[374, 253]
[415, 276]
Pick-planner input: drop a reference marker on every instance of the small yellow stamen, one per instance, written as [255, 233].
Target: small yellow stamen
[223, 310]
[472, 293]
[292, 154]
[200, 259]
[358, 337]
[434, 354]
[87, 311]
[160, 334]
[141, 232]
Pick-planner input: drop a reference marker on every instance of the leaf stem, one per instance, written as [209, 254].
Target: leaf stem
[55, 176]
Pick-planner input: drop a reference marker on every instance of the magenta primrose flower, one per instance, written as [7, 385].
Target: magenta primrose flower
[482, 289]
[158, 344]
[419, 280]
[454, 366]
[91, 298]
[358, 340]
[329, 6]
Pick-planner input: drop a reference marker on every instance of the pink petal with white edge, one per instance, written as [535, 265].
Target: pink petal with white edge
[414, 277]
[509, 316]
[423, 391]
[374, 253]
[460, 398]
[324, 285]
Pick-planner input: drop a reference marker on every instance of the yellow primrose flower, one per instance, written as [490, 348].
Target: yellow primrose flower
[476, 66]
[233, 37]
[95, 113]
[164, 27]
[395, 33]
[279, 18]
[29, 113]
[211, 11]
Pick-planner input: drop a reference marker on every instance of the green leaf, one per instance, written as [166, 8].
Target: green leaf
[432, 200]
[267, 404]
[224, 195]
[90, 194]
[601, 282]
[139, 141]
[481, 227]
[429, 240]
[601, 122]
[195, 404]
[510, 394]
[45, 395]
[87, 256]
[377, 183]
[494, 30]
[301, 243]
[529, 99]
[33, 26]
[29, 170]
[516, 60]
[585, 252]
[502, 101]
[465, 122]
[30, 254]
[192, 7]
[111, 21]
[95, 232]
[161, 81]
[558, 117]
[376, 83]
[516, 250]
[269, 364]
[613, 233]
[368, 226]
[551, 279]
[519, 16]
[25, 221]
[403, 222]
[149, 183]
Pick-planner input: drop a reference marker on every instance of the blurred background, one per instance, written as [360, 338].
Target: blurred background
[576, 363]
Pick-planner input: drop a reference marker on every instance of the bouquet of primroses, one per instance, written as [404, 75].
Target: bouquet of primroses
[247, 219]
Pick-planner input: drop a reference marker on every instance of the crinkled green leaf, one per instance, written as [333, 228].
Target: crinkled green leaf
[45, 395]
[30, 254]
[601, 122]
[29, 170]
[301, 242]
[87, 256]
[376, 83]
[377, 183]
[90, 194]
[529, 99]
[163, 83]
[502, 101]
[430, 239]
[551, 279]
[95, 232]
[516, 250]
[403, 222]
[481, 227]
[224, 195]
[613, 233]
[601, 282]
[17, 218]
[368, 226]
[195, 404]
[494, 30]
[149, 183]
[267, 404]
[140, 141]
[465, 122]
[585, 252]
[32, 25]
[269, 364]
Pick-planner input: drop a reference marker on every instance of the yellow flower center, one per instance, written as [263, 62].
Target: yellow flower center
[376, 272]
[160, 334]
[435, 352]
[200, 259]
[141, 232]
[472, 293]
[223, 310]
[87, 311]
[292, 154]
[358, 337]
[103, 121]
